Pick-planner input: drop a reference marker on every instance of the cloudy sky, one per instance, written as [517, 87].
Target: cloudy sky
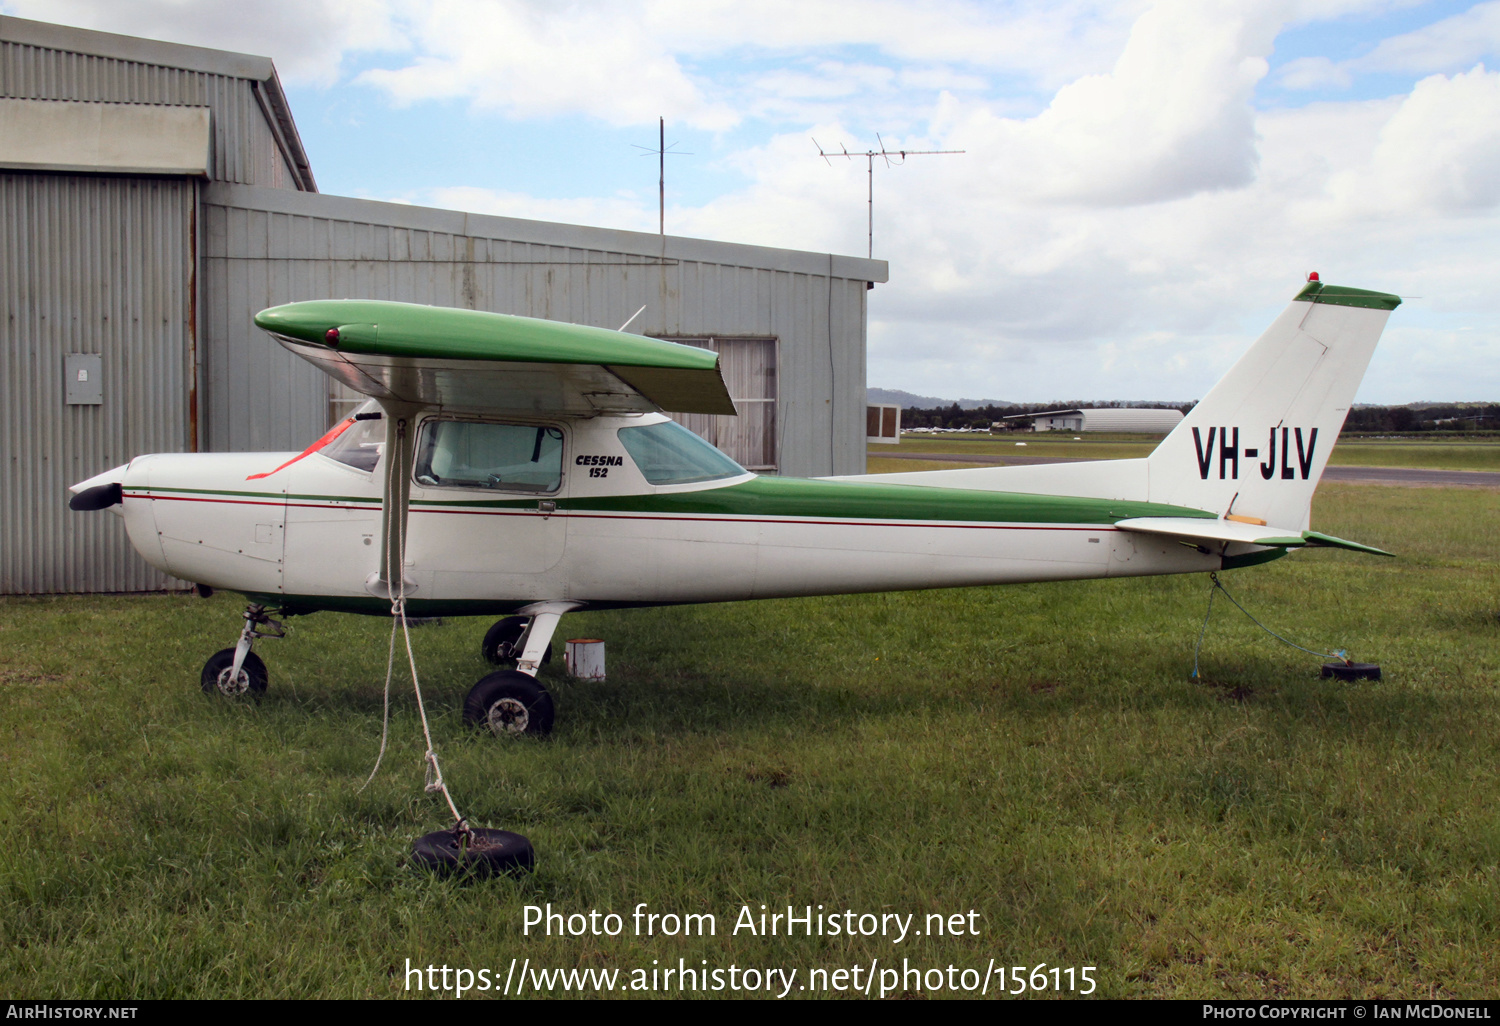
[1143, 188]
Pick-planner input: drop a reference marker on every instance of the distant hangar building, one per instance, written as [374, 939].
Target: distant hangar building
[1126, 419]
[155, 196]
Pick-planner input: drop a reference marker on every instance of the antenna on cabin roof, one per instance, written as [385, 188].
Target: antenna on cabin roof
[870, 156]
[662, 150]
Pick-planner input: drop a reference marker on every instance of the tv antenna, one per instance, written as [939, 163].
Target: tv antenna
[870, 156]
[662, 151]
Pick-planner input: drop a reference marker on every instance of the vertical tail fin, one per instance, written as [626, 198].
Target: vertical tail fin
[1258, 442]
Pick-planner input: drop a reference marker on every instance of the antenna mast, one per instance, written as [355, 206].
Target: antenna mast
[870, 156]
[661, 151]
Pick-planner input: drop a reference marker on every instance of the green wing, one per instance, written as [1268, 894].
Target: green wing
[472, 360]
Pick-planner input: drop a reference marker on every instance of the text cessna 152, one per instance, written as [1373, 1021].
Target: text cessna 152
[506, 465]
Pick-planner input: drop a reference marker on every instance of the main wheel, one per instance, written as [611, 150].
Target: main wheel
[252, 680]
[509, 702]
[502, 642]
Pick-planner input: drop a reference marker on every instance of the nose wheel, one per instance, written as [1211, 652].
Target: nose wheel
[506, 640]
[219, 677]
[237, 672]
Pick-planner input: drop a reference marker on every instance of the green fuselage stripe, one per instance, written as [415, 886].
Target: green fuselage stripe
[793, 497]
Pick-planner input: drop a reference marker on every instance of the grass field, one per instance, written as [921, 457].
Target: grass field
[1451, 454]
[1037, 754]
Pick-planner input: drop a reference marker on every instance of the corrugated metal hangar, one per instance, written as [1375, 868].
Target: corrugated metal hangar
[154, 197]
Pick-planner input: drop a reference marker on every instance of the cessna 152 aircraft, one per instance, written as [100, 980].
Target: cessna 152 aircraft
[506, 465]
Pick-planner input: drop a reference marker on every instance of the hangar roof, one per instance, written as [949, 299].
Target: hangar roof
[177, 56]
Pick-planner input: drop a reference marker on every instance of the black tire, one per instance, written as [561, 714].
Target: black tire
[488, 853]
[1352, 671]
[253, 677]
[502, 642]
[508, 703]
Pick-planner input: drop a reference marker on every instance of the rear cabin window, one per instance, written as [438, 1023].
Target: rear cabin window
[503, 457]
[668, 454]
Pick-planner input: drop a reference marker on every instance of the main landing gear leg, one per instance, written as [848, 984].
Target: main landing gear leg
[513, 701]
[238, 671]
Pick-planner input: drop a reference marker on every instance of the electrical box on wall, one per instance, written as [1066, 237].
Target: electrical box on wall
[83, 379]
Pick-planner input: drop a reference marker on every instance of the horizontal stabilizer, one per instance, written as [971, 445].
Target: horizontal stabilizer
[1319, 539]
[1191, 529]
[1217, 531]
[473, 360]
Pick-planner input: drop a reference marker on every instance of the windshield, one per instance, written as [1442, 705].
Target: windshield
[473, 454]
[359, 444]
[668, 454]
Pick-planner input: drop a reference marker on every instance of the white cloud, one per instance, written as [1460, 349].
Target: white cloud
[1454, 42]
[531, 60]
[1171, 118]
[1439, 151]
[695, 61]
[1314, 73]
[308, 39]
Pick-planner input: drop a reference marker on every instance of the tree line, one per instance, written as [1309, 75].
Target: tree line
[1433, 417]
[983, 416]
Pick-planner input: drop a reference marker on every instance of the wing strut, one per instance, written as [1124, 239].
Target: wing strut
[395, 500]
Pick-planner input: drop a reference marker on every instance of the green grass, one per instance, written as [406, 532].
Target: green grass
[1449, 454]
[1035, 753]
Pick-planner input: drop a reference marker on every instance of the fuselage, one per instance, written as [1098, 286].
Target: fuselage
[602, 511]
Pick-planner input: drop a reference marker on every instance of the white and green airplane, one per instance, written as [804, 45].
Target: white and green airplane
[526, 468]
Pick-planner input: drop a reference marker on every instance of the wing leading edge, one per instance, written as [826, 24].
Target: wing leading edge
[473, 360]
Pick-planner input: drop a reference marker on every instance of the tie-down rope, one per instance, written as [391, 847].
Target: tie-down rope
[1217, 587]
[433, 772]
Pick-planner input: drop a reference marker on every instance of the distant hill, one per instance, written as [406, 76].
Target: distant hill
[908, 401]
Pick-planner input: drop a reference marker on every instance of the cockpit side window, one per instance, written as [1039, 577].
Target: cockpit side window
[501, 457]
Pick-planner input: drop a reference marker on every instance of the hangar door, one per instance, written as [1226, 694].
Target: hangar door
[749, 367]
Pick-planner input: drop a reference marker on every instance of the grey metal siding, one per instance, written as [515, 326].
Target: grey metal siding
[263, 248]
[90, 265]
[245, 149]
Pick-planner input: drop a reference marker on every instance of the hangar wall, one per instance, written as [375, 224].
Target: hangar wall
[264, 247]
[101, 266]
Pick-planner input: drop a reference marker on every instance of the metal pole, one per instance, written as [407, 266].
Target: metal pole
[661, 183]
[870, 172]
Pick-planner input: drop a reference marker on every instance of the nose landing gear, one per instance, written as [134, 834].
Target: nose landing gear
[236, 672]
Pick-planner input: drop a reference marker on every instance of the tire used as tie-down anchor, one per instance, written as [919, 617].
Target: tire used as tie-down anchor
[483, 853]
[1351, 671]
